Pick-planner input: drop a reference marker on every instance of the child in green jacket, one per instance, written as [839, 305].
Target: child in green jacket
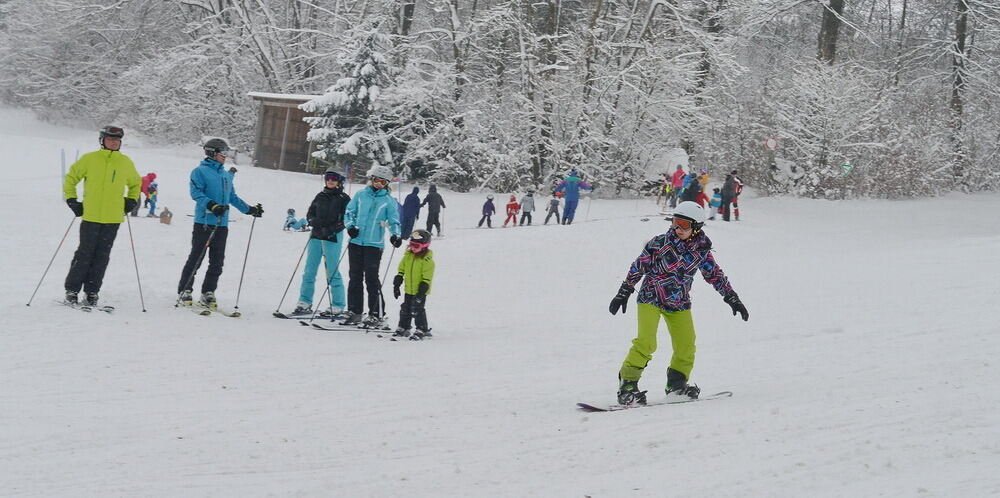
[416, 270]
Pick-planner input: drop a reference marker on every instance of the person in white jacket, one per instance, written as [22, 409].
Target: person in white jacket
[527, 206]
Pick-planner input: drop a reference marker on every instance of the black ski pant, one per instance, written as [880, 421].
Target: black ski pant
[434, 220]
[558, 221]
[364, 261]
[91, 258]
[726, 201]
[413, 308]
[488, 219]
[200, 236]
[526, 216]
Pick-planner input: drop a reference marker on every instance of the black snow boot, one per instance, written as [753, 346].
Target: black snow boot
[91, 299]
[354, 319]
[72, 298]
[629, 393]
[677, 385]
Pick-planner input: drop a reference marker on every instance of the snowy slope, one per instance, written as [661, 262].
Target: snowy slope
[867, 368]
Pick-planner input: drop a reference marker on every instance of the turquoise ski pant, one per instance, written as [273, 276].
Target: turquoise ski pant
[330, 253]
[682, 337]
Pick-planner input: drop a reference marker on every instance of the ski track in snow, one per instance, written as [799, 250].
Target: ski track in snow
[866, 368]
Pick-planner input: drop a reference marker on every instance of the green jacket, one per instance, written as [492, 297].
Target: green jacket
[105, 174]
[416, 269]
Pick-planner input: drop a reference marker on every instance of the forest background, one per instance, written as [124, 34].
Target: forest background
[879, 98]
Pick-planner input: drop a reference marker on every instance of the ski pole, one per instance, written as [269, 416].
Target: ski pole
[589, 200]
[382, 283]
[131, 241]
[296, 270]
[201, 258]
[245, 256]
[46, 272]
[329, 279]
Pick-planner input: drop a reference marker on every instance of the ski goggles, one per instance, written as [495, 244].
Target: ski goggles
[417, 246]
[682, 223]
[113, 132]
[379, 182]
[333, 177]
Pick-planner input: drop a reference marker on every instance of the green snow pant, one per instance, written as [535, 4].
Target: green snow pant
[682, 337]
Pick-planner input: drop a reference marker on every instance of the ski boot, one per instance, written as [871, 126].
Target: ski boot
[91, 299]
[420, 335]
[401, 332]
[208, 300]
[332, 313]
[184, 298]
[303, 308]
[371, 321]
[629, 393]
[72, 298]
[677, 385]
[353, 319]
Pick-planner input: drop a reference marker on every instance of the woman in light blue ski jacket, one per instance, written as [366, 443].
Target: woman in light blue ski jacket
[211, 182]
[371, 210]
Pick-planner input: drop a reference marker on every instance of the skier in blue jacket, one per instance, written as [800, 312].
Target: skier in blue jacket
[571, 186]
[368, 214]
[411, 211]
[213, 192]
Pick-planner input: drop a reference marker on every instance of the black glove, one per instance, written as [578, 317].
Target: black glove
[423, 288]
[734, 302]
[130, 204]
[256, 211]
[395, 241]
[216, 209]
[396, 283]
[75, 205]
[353, 232]
[621, 299]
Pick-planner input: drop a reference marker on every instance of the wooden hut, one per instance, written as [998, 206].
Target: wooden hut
[281, 132]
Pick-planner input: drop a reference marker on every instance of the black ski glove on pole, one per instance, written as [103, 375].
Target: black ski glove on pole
[216, 209]
[256, 211]
[396, 283]
[395, 241]
[734, 302]
[75, 205]
[353, 232]
[130, 204]
[620, 301]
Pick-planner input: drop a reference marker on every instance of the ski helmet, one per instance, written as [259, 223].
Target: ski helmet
[332, 174]
[216, 146]
[110, 131]
[693, 213]
[420, 240]
[489, 197]
[291, 212]
[379, 171]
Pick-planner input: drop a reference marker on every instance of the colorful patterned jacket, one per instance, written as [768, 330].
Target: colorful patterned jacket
[669, 265]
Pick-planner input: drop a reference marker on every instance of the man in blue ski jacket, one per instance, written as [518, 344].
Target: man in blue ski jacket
[411, 211]
[369, 213]
[213, 192]
[571, 187]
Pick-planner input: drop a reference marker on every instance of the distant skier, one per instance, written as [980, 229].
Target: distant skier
[110, 191]
[488, 210]
[728, 194]
[213, 192]
[691, 189]
[527, 206]
[553, 209]
[411, 212]
[668, 262]
[292, 223]
[434, 203]
[153, 194]
[737, 190]
[512, 208]
[326, 242]
[715, 203]
[146, 182]
[676, 185]
[571, 187]
[369, 213]
[416, 271]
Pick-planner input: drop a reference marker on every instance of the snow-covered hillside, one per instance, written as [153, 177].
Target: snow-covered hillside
[868, 366]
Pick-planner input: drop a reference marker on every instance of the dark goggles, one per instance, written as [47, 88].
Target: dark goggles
[113, 132]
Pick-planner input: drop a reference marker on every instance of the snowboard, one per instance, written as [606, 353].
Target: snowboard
[613, 408]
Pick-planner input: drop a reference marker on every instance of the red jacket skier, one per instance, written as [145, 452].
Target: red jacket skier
[512, 209]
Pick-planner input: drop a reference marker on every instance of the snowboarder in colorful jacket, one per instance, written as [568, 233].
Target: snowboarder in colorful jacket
[668, 262]
[413, 281]
[488, 210]
[512, 208]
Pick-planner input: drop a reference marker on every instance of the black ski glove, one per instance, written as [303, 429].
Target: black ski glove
[216, 209]
[130, 204]
[353, 232]
[396, 283]
[75, 206]
[620, 301]
[734, 302]
[256, 211]
[395, 241]
[423, 288]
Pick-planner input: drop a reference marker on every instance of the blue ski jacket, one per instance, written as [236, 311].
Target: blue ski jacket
[371, 211]
[571, 186]
[411, 204]
[211, 182]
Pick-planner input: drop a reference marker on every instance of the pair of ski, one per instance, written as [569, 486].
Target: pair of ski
[86, 308]
[205, 311]
[670, 400]
[306, 320]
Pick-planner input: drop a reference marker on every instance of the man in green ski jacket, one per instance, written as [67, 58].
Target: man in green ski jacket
[111, 188]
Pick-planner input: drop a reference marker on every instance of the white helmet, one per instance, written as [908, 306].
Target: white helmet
[691, 211]
[379, 171]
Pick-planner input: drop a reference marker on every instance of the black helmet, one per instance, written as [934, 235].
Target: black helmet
[291, 212]
[216, 146]
[110, 131]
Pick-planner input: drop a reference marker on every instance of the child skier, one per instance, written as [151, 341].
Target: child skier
[153, 192]
[715, 204]
[668, 263]
[488, 210]
[527, 206]
[416, 270]
[326, 242]
[291, 223]
[512, 208]
[553, 209]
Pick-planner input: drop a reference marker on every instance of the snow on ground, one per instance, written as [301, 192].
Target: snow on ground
[867, 368]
